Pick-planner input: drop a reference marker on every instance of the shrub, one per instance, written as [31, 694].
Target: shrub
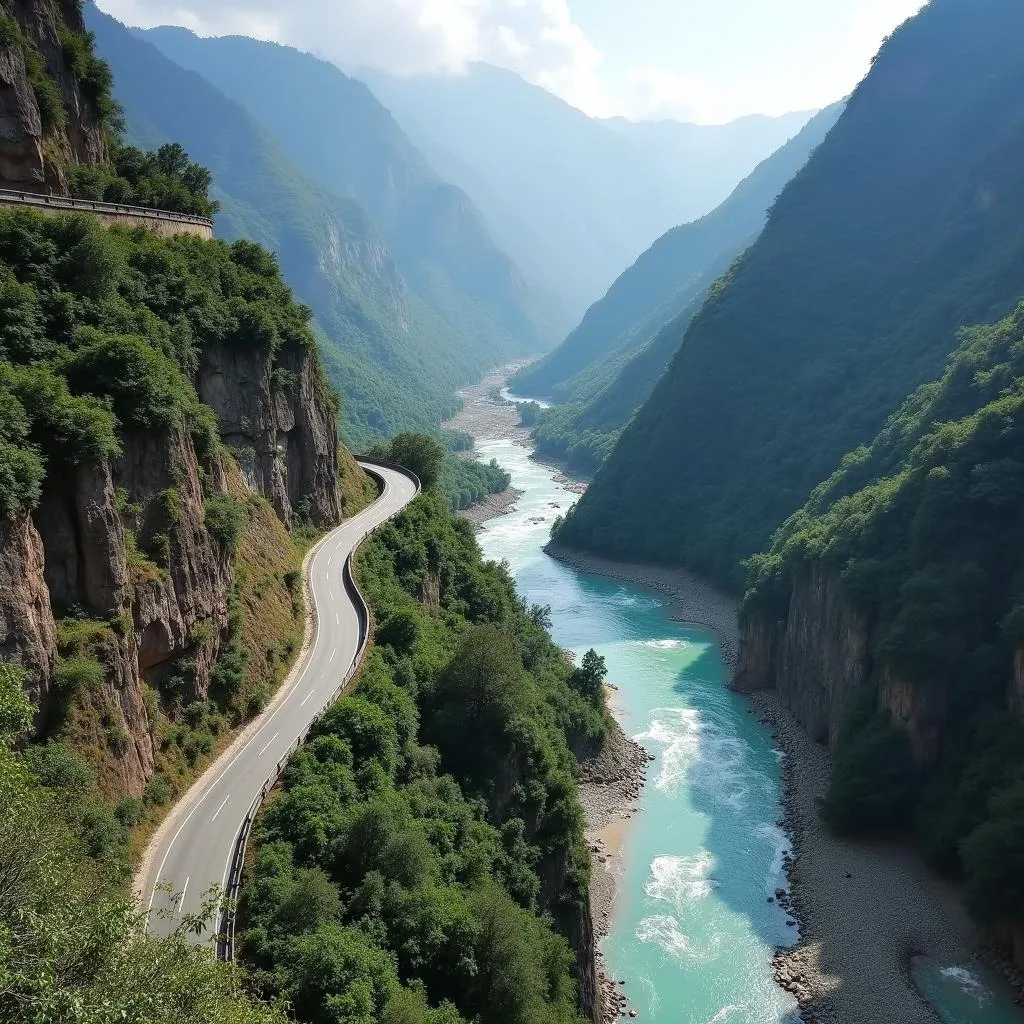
[77, 675]
[158, 791]
[226, 521]
[130, 812]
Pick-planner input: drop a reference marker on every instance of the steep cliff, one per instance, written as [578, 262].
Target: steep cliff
[121, 571]
[54, 95]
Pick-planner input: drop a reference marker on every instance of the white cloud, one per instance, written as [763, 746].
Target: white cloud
[541, 40]
[537, 38]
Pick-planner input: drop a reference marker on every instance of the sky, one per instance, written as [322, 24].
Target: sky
[706, 61]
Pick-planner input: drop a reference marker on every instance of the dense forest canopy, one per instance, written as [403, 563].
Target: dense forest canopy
[903, 227]
[400, 875]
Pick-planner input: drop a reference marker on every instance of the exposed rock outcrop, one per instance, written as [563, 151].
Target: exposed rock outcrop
[279, 422]
[35, 154]
[818, 657]
[28, 634]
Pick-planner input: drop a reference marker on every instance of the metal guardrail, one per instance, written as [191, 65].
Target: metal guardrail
[226, 930]
[88, 206]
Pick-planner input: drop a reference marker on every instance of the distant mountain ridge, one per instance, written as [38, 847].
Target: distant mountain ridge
[334, 128]
[606, 368]
[904, 226]
[571, 199]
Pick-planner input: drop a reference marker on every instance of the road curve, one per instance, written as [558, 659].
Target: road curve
[193, 851]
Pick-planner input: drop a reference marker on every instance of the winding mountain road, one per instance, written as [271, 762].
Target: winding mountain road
[195, 847]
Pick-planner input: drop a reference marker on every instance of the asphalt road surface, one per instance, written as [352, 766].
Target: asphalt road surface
[196, 847]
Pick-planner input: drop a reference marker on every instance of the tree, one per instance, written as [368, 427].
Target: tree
[993, 856]
[485, 677]
[589, 678]
[338, 976]
[419, 453]
[874, 780]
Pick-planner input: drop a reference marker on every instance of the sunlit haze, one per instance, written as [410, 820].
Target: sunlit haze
[687, 59]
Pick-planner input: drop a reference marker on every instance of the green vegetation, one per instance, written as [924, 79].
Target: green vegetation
[925, 531]
[607, 368]
[872, 258]
[165, 180]
[461, 481]
[398, 876]
[466, 481]
[226, 519]
[666, 280]
[80, 60]
[71, 944]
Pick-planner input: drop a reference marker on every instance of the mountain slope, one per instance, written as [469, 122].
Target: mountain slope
[904, 225]
[338, 133]
[672, 273]
[888, 614]
[394, 361]
[571, 199]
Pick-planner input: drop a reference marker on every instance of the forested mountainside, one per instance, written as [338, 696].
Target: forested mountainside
[605, 370]
[347, 143]
[428, 846]
[572, 199]
[395, 361]
[889, 614]
[903, 226]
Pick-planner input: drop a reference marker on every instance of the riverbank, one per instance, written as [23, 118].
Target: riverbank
[491, 507]
[610, 787]
[863, 909]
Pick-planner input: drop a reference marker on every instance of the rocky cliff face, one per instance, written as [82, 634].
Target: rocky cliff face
[819, 659]
[126, 543]
[278, 422]
[47, 121]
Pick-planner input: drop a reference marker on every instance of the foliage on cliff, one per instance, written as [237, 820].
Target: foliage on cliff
[903, 227]
[925, 529]
[165, 180]
[102, 332]
[403, 872]
[71, 945]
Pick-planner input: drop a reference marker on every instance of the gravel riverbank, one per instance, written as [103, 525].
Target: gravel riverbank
[610, 788]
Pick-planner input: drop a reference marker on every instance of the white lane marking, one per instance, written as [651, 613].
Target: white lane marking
[267, 747]
[351, 524]
[333, 653]
[330, 561]
[337, 619]
[221, 808]
[181, 898]
[304, 699]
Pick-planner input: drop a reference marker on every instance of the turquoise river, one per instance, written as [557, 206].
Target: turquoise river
[693, 932]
